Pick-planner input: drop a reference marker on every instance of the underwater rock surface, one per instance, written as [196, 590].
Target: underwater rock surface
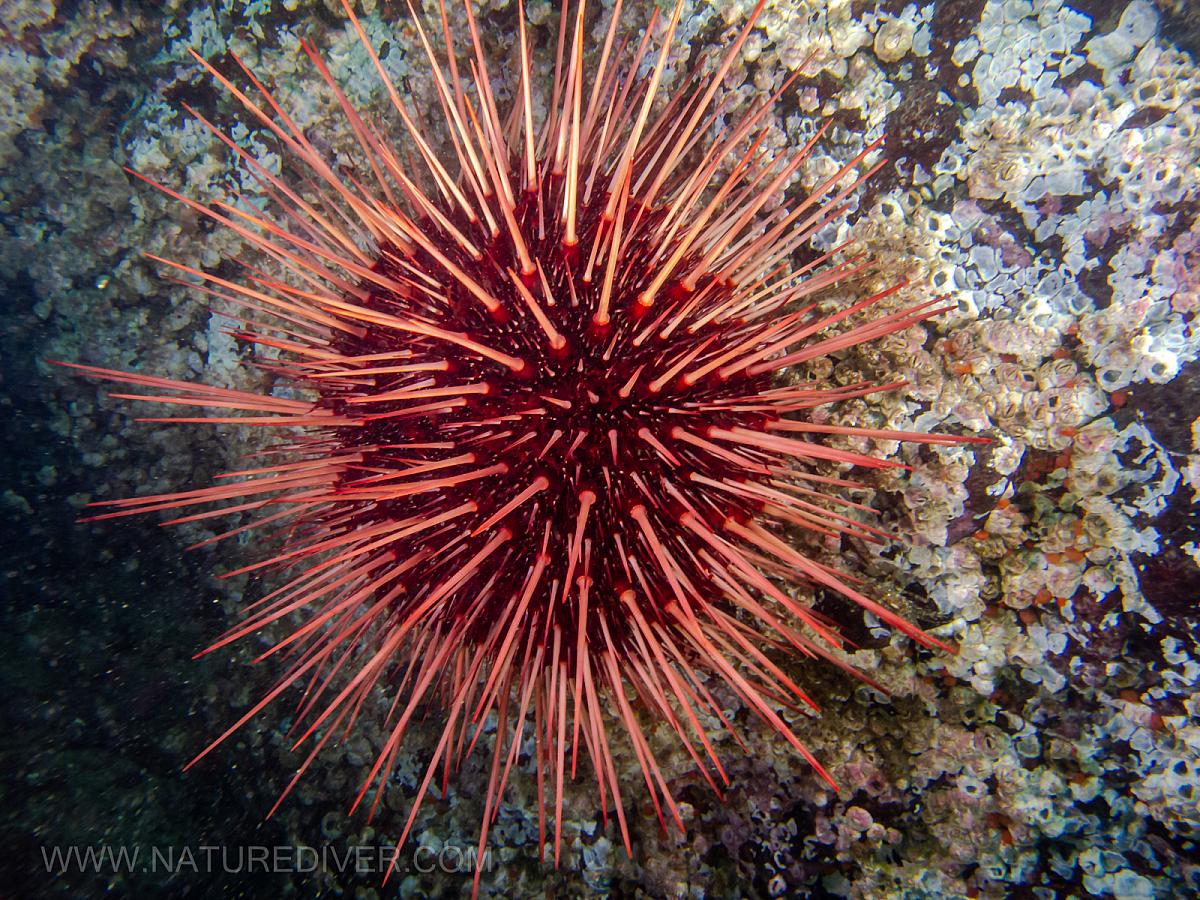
[1043, 161]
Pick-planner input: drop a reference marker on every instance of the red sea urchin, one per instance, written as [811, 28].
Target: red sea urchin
[538, 462]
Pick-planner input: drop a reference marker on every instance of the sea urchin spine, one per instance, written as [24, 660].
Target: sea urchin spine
[543, 465]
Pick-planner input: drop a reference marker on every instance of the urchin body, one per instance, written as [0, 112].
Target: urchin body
[548, 472]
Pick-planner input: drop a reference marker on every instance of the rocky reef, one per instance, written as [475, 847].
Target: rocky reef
[1042, 161]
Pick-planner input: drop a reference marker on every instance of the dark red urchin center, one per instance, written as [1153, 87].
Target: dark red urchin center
[591, 418]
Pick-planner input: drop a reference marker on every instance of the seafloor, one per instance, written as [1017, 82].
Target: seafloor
[1043, 173]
